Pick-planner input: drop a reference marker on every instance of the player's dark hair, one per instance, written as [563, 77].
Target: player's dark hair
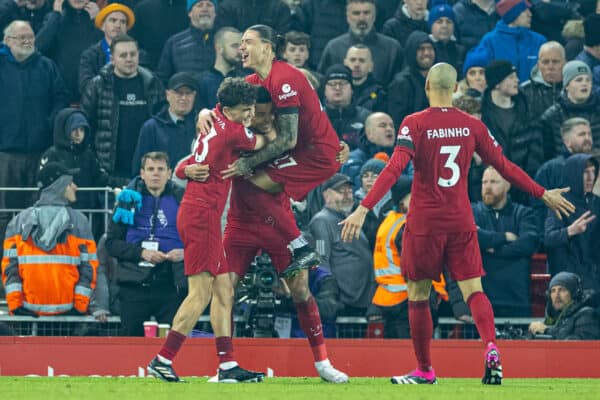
[122, 38]
[297, 39]
[262, 95]
[234, 91]
[268, 34]
[155, 156]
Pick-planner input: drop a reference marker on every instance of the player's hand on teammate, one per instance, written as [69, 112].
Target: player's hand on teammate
[344, 153]
[240, 167]
[555, 201]
[205, 121]
[197, 172]
[154, 256]
[580, 224]
[352, 225]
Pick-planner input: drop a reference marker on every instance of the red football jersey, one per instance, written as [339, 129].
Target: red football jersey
[289, 88]
[441, 142]
[219, 148]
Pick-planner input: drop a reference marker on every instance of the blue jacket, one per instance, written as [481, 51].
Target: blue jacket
[31, 93]
[160, 133]
[507, 268]
[518, 45]
[577, 254]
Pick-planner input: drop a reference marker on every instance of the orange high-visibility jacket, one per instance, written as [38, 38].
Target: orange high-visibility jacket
[392, 289]
[54, 281]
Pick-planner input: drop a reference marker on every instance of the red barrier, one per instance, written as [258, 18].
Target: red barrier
[77, 356]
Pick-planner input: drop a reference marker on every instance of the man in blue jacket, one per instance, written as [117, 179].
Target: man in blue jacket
[507, 238]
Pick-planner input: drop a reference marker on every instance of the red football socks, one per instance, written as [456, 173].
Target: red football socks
[224, 349]
[421, 331]
[483, 315]
[172, 345]
[310, 321]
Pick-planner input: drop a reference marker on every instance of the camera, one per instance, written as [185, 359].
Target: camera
[256, 297]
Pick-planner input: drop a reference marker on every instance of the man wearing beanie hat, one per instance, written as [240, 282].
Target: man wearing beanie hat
[591, 47]
[569, 313]
[441, 23]
[61, 276]
[504, 111]
[512, 39]
[114, 20]
[347, 119]
[192, 50]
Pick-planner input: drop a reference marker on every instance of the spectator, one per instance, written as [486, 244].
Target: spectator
[545, 84]
[350, 264]
[147, 247]
[66, 32]
[367, 92]
[406, 93]
[227, 64]
[572, 242]
[387, 52]
[508, 237]
[474, 18]
[118, 101]
[31, 93]
[157, 21]
[473, 83]
[512, 39]
[323, 20]
[173, 129]
[391, 293]
[568, 312]
[296, 50]
[49, 264]
[504, 111]
[379, 137]
[192, 50]
[72, 150]
[368, 174]
[576, 100]
[114, 20]
[411, 16]
[591, 47]
[573, 37]
[243, 14]
[32, 11]
[576, 135]
[549, 17]
[347, 119]
[441, 23]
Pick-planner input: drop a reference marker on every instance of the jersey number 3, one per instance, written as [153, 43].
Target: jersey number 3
[202, 156]
[451, 164]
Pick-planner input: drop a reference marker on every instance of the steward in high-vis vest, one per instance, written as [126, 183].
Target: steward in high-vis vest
[49, 263]
[391, 293]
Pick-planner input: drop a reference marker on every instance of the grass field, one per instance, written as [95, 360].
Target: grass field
[294, 388]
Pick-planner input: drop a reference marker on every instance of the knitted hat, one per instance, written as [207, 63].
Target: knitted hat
[373, 165]
[497, 71]
[509, 10]
[74, 121]
[51, 172]
[573, 69]
[438, 11]
[476, 57]
[569, 281]
[338, 71]
[190, 3]
[111, 8]
[591, 27]
[336, 181]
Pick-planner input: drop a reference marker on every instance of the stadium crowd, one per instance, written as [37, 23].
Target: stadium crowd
[89, 89]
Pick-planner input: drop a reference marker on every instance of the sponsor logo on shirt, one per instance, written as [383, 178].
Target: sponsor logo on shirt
[405, 134]
[287, 92]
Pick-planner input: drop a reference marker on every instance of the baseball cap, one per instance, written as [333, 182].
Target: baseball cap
[336, 181]
[181, 79]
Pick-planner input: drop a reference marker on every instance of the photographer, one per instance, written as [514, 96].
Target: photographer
[568, 314]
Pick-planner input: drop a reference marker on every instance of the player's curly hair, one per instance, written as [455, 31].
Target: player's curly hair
[234, 91]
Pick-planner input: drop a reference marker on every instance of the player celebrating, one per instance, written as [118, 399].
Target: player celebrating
[304, 153]
[440, 229]
[199, 225]
[247, 232]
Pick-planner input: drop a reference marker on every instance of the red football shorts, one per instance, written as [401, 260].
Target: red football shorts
[244, 240]
[199, 227]
[302, 170]
[424, 256]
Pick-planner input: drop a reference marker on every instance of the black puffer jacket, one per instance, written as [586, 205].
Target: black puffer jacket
[348, 122]
[522, 143]
[472, 22]
[370, 95]
[401, 26]
[98, 101]
[242, 14]
[578, 321]
[562, 111]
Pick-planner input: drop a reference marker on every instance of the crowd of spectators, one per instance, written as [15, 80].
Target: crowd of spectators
[112, 81]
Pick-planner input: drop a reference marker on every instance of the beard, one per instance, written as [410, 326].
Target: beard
[490, 199]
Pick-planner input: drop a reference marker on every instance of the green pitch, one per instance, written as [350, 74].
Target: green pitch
[294, 388]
